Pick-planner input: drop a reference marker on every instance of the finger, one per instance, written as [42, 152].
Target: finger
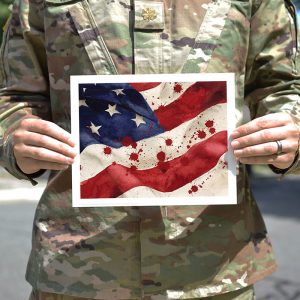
[47, 128]
[38, 153]
[30, 166]
[44, 141]
[281, 161]
[265, 122]
[265, 149]
[259, 137]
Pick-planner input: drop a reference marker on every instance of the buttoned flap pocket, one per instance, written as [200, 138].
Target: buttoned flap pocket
[149, 15]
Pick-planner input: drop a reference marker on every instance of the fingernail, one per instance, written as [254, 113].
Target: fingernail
[71, 141]
[234, 134]
[235, 144]
[72, 153]
[70, 160]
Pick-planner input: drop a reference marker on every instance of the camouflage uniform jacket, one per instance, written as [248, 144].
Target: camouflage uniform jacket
[174, 252]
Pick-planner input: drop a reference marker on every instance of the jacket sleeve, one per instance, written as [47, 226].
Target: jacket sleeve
[272, 70]
[24, 89]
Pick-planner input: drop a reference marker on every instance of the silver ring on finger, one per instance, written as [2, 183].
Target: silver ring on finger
[279, 147]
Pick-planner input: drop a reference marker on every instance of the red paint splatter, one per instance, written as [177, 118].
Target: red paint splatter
[197, 98]
[212, 130]
[133, 168]
[194, 189]
[177, 88]
[111, 178]
[169, 142]
[128, 141]
[201, 134]
[209, 123]
[114, 163]
[107, 150]
[134, 156]
[161, 156]
[163, 166]
[190, 191]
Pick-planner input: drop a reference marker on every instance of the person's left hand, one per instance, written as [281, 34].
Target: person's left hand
[255, 142]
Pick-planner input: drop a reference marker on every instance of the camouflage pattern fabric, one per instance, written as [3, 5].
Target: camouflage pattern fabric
[241, 294]
[179, 252]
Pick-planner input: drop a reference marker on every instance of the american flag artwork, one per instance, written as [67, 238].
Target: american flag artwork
[153, 140]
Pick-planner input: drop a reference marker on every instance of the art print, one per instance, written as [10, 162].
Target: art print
[153, 140]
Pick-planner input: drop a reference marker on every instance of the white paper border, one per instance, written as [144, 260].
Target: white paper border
[155, 201]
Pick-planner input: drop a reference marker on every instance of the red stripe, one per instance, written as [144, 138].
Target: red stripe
[191, 103]
[143, 86]
[165, 177]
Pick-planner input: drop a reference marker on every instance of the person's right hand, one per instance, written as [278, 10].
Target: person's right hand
[40, 144]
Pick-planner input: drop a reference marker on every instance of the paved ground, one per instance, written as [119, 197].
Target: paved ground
[279, 201]
[280, 204]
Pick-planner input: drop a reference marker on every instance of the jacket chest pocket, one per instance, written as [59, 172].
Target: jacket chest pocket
[74, 42]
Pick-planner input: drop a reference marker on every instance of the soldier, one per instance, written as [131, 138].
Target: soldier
[212, 252]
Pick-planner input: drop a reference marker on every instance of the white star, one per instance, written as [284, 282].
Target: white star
[82, 103]
[112, 110]
[84, 89]
[94, 128]
[138, 120]
[119, 92]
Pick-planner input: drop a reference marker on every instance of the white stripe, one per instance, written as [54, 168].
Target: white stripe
[164, 94]
[207, 181]
[93, 159]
